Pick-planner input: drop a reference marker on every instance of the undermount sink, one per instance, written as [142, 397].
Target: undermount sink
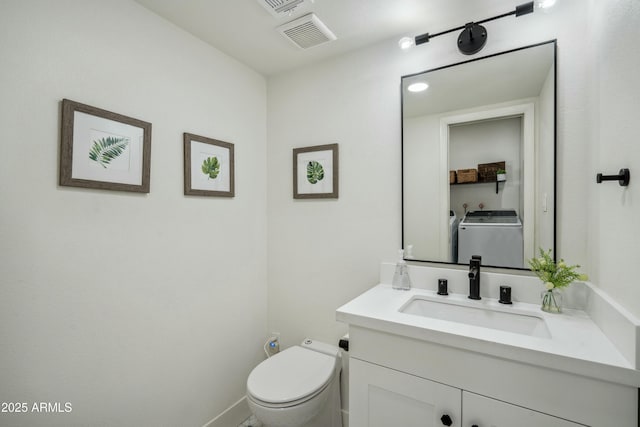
[486, 317]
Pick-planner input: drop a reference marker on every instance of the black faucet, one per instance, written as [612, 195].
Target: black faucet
[474, 277]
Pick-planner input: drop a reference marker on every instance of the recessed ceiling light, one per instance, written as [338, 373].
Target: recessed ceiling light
[417, 87]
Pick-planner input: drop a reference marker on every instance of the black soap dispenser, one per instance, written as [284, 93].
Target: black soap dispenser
[505, 295]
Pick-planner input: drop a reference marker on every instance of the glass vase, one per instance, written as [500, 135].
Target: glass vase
[551, 301]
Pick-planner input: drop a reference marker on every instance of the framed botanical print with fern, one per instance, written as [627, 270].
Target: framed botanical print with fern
[208, 167]
[315, 172]
[103, 150]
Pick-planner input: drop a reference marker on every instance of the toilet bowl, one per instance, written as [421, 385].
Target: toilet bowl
[298, 387]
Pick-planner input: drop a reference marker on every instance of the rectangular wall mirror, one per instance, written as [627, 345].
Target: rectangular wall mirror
[478, 159]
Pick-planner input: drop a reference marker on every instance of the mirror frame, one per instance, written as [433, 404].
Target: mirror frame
[554, 44]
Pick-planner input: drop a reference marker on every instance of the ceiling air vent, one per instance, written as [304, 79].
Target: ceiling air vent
[279, 8]
[306, 31]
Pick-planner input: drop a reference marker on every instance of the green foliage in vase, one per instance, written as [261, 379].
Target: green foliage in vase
[554, 275]
[211, 167]
[104, 150]
[315, 172]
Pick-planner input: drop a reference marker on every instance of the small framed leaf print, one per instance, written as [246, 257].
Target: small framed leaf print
[208, 167]
[315, 172]
[104, 150]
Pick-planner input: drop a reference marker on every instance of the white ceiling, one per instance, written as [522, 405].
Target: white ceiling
[516, 75]
[246, 31]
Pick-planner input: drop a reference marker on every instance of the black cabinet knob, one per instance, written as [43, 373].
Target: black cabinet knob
[446, 420]
[475, 425]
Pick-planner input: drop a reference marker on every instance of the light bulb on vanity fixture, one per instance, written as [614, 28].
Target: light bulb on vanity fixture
[406, 43]
[474, 36]
[545, 4]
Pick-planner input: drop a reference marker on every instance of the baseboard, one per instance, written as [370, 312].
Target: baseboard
[232, 416]
[239, 411]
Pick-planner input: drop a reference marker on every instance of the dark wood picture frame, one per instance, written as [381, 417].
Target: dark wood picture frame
[78, 124]
[324, 157]
[211, 149]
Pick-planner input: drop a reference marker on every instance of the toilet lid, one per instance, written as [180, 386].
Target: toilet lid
[290, 375]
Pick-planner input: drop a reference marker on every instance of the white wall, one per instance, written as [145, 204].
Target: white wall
[322, 253]
[422, 187]
[137, 309]
[545, 170]
[614, 225]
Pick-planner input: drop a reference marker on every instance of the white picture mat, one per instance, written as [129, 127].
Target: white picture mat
[201, 181]
[125, 169]
[325, 158]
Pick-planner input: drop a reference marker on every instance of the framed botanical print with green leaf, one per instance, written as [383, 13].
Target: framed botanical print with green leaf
[315, 172]
[208, 167]
[104, 150]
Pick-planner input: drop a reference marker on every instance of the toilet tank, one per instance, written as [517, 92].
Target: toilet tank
[321, 347]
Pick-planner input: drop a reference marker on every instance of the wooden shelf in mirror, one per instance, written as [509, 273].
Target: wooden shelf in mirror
[478, 182]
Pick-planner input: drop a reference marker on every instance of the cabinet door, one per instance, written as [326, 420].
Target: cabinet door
[383, 397]
[481, 411]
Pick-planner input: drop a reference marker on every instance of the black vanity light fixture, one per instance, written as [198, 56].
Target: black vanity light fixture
[474, 36]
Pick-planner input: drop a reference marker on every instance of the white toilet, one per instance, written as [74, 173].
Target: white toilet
[298, 387]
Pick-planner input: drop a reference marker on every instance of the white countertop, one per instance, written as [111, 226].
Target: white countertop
[577, 345]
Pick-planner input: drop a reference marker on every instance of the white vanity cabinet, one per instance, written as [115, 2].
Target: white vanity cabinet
[402, 381]
[466, 359]
[482, 411]
[383, 397]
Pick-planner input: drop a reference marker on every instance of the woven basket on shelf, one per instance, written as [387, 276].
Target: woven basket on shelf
[467, 175]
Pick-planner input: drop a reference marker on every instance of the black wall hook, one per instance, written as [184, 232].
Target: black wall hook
[623, 177]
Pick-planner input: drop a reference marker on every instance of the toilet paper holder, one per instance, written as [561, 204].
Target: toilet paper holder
[623, 177]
